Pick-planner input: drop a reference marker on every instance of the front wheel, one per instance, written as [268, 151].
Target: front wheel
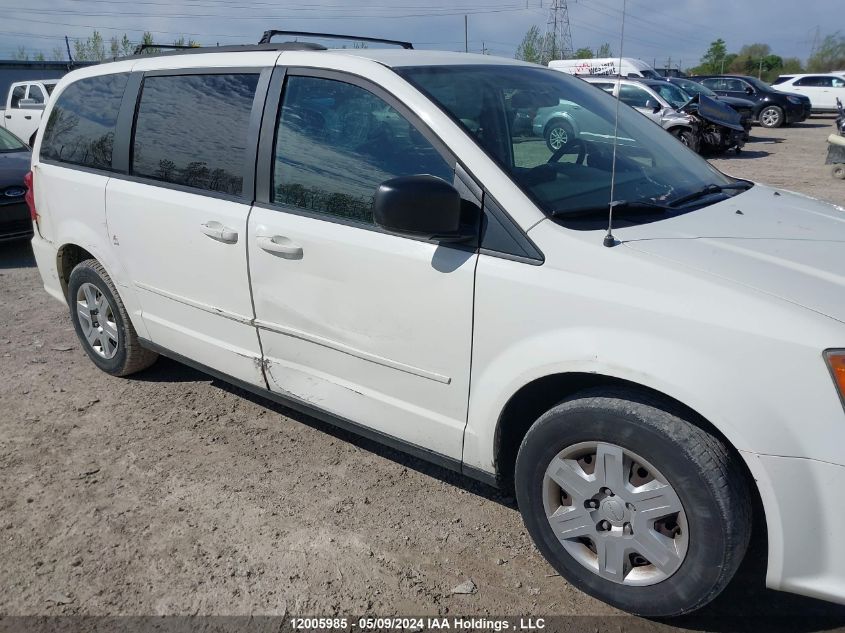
[838, 171]
[685, 136]
[771, 117]
[633, 504]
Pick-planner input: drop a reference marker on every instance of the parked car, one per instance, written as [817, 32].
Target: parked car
[605, 66]
[658, 100]
[358, 234]
[773, 108]
[24, 105]
[745, 107]
[823, 89]
[15, 157]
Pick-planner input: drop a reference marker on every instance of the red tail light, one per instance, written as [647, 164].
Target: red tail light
[30, 196]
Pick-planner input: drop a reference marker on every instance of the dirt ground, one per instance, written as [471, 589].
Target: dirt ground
[173, 493]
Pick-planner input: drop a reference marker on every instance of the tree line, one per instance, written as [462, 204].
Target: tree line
[752, 59]
[760, 61]
[96, 48]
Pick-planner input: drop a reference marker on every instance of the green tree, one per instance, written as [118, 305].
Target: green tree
[714, 58]
[791, 65]
[604, 50]
[39, 57]
[830, 55]
[537, 48]
[583, 53]
[21, 54]
[58, 54]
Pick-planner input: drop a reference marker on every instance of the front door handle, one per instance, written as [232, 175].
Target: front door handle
[281, 246]
[217, 231]
[8, 116]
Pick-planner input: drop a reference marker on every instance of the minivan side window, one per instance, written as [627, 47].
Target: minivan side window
[80, 130]
[191, 130]
[337, 142]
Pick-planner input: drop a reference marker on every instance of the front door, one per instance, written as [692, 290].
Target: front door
[372, 327]
[638, 98]
[20, 121]
[179, 223]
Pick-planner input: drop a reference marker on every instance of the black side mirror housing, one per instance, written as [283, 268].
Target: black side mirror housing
[420, 206]
[653, 105]
[749, 90]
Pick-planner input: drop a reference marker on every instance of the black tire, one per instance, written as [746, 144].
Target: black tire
[771, 116]
[709, 483]
[686, 136]
[558, 133]
[838, 171]
[129, 357]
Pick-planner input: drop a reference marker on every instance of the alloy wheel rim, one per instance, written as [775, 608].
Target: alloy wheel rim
[97, 320]
[558, 137]
[770, 117]
[615, 513]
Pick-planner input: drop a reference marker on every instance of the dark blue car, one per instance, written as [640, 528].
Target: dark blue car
[15, 156]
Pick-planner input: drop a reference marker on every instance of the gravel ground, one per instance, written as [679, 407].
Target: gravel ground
[173, 493]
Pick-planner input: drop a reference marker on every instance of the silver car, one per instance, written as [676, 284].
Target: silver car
[657, 99]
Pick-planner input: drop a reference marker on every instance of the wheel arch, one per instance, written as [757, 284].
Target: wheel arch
[72, 252]
[536, 397]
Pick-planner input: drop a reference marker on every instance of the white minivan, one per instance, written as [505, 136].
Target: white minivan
[361, 234]
[605, 66]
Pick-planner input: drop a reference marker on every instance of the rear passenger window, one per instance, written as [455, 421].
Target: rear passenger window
[81, 127]
[191, 130]
[336, 143]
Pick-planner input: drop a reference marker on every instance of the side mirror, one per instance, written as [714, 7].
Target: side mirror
[30, 104]
[653, 105]
[749, 90]
[422, 206]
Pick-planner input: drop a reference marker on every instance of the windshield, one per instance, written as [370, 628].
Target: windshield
[651, 74]
[674, 95]
[693, 87]
[9, 142]
[553, 134]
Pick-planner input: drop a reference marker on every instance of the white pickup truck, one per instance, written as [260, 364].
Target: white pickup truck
[24, 107]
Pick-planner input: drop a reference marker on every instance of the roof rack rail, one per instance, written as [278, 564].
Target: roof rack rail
[268, 36]
[143, 47]
[228, 48]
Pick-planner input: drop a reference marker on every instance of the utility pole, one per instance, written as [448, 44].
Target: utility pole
[466, 32]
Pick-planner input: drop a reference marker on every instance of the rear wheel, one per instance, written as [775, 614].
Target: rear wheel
[102, 323]
[771, 117]
[633, 504]
[838, 171]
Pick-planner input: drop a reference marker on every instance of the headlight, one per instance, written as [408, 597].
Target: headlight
[836, 363]
[794, 100]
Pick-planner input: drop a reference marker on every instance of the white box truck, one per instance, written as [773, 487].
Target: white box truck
[605, 66]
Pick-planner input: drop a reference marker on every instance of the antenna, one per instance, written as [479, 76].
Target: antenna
[609, 240]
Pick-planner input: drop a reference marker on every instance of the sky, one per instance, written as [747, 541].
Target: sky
[656, 32]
